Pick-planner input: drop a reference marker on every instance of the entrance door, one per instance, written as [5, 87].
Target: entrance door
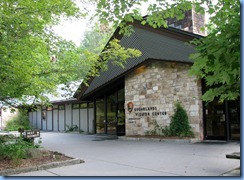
[234, 119]
[110, 113]
[121, 119]
[100, 119]
[215, 122]
[111, 120]
[121, 113]
[222, 120]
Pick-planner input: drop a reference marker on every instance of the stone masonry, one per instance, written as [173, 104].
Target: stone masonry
[154, 89]
[192, 22]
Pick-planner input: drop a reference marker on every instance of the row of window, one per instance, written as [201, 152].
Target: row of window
[62, 107]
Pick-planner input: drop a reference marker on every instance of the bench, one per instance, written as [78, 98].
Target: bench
[234, 155]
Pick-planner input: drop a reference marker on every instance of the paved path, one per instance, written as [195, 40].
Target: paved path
[137, 158]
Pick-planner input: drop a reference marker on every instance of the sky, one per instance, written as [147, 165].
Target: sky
[73, 30]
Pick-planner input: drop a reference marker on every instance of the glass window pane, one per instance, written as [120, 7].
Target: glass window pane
[83, 105]
[75, 106]
[121, 95]
[61, 107]
[49, 108]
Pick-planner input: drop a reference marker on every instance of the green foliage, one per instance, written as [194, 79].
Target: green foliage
[166, 131]
[179, 125]
[159, 130]
[27, 45]
[19, 121]
[92, 47]
[217, 60]
[113, 53]
[14, 148]
[115, 11]
[71, 128]
[95, 38]
[34, 60]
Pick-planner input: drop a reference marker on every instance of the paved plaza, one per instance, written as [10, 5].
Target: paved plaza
[120, 157]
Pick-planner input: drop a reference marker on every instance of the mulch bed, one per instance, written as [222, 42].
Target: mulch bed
[44, 157]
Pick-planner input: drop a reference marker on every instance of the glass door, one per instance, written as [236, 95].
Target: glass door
[215, 122]
[121, 113]
[100, 119]
[121, 119]
[111, 114]
[234, 119]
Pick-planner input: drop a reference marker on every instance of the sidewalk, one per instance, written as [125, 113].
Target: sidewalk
[118, 157]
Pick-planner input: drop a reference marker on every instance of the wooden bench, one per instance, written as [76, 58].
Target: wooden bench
[234, 155]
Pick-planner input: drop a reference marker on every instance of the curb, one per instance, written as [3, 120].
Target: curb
[41, 167]
[160, 139]
[233, 172]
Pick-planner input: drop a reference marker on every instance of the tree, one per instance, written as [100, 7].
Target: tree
[96, 37]
[28, 46]
[217, 60]
[33, 59]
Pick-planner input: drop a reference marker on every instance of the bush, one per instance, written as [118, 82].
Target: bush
[71, 128]
[179, 125]
[14, 149]
[20, 121]
[159, 130]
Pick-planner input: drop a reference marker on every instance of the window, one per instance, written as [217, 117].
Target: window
[83, 105]
[61, 107]
[91, 105]
[49, 108]
[75, 106]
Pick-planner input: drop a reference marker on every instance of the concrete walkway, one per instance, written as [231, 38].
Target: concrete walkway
[118, 157]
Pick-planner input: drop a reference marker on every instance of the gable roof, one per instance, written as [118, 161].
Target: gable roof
[166, 44]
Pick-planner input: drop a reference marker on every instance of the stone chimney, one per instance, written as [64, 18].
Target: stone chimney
[192, 22]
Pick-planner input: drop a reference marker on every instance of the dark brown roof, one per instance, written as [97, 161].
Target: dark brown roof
[166, 44]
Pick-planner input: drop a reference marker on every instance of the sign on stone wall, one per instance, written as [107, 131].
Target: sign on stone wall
[143, 111]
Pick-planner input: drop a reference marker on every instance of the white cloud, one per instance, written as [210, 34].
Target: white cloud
[72, 30]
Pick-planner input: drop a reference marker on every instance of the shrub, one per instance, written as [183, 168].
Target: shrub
[159, 130]
[71, 128]
[179, 125]
[14, 149]
[20, 121]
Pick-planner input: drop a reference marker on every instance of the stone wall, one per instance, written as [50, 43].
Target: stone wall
[153, 90]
